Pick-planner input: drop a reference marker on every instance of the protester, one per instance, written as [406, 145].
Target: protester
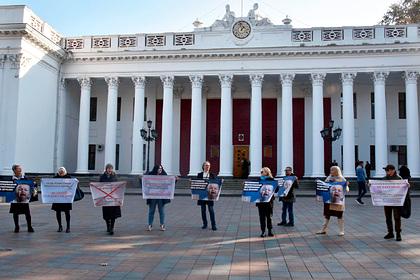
[110, 213]
[160, 203]
[21, 205]
[334, 209]
[405, 172]
[245, 168]
[391, 174]
[265, 209]
[62, 207]
[368, 167]
[288, 201]
[361, 182]
[206, 174]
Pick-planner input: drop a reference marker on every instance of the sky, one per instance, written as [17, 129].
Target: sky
[103, 17]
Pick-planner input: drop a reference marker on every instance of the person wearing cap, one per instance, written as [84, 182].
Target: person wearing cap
[288, 201]
[391, 174]
[361, 182]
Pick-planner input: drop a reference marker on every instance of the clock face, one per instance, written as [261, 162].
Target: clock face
[241, 29]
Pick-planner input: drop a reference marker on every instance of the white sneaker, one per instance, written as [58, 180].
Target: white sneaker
[162, 227]
[149, 228]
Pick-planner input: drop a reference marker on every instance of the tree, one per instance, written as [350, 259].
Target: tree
[404, 12]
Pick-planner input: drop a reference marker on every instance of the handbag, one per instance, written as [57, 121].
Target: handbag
[79, 194]
[406, 208]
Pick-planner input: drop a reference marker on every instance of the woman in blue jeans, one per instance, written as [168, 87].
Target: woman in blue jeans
[160, 203]
[206, 174]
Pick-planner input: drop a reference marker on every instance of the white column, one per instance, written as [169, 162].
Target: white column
[138, 122]
[226, 148]
[204, 125]
[167, 123]
[60, 126]
[286, 121]
[111, 120]
[196, 124]
[83, 136]
[412, 109]
[255, 149]
[176, 128]
[317, 124]
[381, 136]
[348, 125]
[279, 135]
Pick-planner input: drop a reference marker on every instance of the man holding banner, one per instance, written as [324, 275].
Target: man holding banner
[390, 193]
[207, 175]
[287, 195]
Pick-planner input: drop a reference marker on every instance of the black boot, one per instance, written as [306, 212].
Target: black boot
[60, 228]
[389, 235]
[398, 238]
[111, 226]
[108, 225]
[262, 234]
[16, 220]
[270, 233]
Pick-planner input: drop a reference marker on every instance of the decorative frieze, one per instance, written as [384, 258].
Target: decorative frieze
[363, 33]
[155, 40]
[332, 34]
[127, 41]
[395, 32]
[184, 39]
[55, 37]
[302, 36]
[36, 24]
[101, 42]
[74, 43]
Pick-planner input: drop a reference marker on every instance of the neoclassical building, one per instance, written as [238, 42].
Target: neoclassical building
[240, 88]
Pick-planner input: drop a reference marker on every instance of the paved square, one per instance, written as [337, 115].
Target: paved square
[185, 251]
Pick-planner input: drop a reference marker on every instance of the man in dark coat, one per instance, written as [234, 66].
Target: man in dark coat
[207, 175]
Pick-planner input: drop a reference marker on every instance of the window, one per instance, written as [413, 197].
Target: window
[372, 107]
[119, 109]
[355, 105]
[92, 157]
[117, 157]
[401, 105]
[144, 157]
[402, 155]
[372, 157]
[93, 109]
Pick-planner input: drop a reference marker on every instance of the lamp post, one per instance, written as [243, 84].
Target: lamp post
[328, 134]
[148, 135]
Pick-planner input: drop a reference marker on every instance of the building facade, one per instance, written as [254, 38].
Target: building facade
[240, 88]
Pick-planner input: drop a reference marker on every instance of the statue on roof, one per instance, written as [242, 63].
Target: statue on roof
[256, 19]
[227, 19]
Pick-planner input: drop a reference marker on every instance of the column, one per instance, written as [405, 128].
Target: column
[176, 128]
[138, 122]
[226, 148]
[279, 133]
[167, 123]
[204, 125]
[317, 124]
[111, 120]
[196, 124]
[83, 136]
[286, 121]
[381, 140]
[412, 110]
[60, 125]
[348, 125]
[255, 149]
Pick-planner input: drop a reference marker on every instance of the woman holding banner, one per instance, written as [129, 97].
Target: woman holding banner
[21, 204]
[160, 203]
[265, 209]
[110, 213]
[335, 209]
[203, 203]
[62, 207]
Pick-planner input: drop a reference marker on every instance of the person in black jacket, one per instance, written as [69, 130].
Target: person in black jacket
[392, 211]
[265, 209]
[288, 201]
[20, 208]
[206, 174]
[110, 213]
[160, 203]
[62, 207]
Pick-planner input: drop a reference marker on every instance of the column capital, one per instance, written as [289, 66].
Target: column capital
[167, 80]
[196, 81]
[226, 80]
[379, 76]
[318, 78]
[411, 76]
[112, 81]
[348, 77]
[63, 83]
[256, 79]
[287, 78]
[139, 81]
[85, 82]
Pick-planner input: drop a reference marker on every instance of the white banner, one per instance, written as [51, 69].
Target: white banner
[107, 193]
[58, 190]
[388, 192]
[158, 186]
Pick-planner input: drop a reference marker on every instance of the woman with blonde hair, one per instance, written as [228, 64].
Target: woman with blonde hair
[62, 207]
[265, 209]
[335, 210]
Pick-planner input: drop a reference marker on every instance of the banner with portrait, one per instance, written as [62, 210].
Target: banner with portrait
[388, 192]
[58, 190]
[7, 191]
[331, 192]
[24, 191]
[209, 190]
[158, 186]
[259, 191]
[285, 184]
[107, 193]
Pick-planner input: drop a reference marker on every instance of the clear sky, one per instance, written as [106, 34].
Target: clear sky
[87, 17]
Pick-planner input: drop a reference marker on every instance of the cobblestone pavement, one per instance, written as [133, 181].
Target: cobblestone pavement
[185, 251]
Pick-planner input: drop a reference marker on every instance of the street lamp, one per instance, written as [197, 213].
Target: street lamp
[148, 135]
[328, 134]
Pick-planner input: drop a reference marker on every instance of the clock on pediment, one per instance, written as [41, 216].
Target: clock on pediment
[241, 29]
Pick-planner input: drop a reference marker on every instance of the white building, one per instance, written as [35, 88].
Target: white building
[242, 87]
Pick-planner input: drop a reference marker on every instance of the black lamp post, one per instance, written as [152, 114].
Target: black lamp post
[328, 134]
[148, 135]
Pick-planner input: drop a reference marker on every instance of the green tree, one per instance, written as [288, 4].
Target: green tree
[404, 12]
